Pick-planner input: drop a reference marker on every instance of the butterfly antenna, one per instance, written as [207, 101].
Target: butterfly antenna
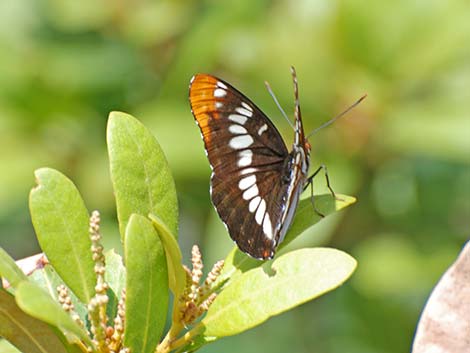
[331, 121]
[268, 87]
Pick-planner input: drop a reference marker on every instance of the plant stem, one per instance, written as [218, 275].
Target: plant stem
[187, 337]
[170, 342]
[83, 347]
[165, 345]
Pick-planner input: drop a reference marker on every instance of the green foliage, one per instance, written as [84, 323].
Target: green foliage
[274, 287]
[28, 334]
[176, 274]
[141, 178]
[146, 285]
[306, 216]
[115, 272]
[34, 301]
[243, 295]
[60, 219]
[9, 270]
[65, 64]
[48, 279]
[237, 262]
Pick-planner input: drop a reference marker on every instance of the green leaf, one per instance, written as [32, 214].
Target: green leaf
[48, 279]
[9, 270]
[305, 215]
[28, 334]
[146, 286]
[176, 275]
[276, 286]
[61, 222]
[34, 301]
[112, 306]
[238, 262]
[197, 343]
[7, 347]
[115, 274]
[140, 174]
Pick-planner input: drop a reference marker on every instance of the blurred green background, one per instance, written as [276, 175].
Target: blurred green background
[404, 152]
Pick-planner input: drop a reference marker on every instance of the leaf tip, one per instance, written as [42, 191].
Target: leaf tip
[344, 201]
[38, 178]
[115, 114]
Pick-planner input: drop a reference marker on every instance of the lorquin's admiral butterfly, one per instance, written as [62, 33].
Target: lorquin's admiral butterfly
[256, 182]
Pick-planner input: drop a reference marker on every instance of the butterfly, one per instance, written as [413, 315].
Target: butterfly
[256, 182]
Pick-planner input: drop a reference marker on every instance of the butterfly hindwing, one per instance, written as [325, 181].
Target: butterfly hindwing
[252, 218]
[248, 157]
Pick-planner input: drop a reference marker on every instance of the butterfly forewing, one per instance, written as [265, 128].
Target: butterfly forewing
[247, 156]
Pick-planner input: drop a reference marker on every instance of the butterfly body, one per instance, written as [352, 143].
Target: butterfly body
[256, 182]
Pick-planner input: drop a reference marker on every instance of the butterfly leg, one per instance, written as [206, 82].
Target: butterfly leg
[310, 178]
[310, 182]
[312, 197]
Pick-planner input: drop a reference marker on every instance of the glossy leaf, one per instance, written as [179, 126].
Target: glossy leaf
[140, 174]
[176, 275]
[48, 279]
[115, 272]
[10, 270]
[34, 301]
[276, 286]
[146, 286]
[115, 276]
[28, 334]
[197, 343]
[305, 217]
[61, 223]
[7, 347]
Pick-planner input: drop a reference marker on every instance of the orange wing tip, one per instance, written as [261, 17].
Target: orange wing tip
[205, 91]
[203, 78]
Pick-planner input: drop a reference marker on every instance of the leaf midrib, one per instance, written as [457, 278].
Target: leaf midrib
[79, 264]
[254, 294]
[24, 329]
[142, 160]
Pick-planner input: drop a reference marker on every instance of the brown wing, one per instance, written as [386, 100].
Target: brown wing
[247, 156]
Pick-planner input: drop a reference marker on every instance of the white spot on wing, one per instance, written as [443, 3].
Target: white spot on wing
[254, 204]
[267, 227]
[241, 141]
[236, 118]
[247, 106]
[260, 212]
[262, 129]
[244, 111]
[219, 92]
[251, 192]
[246, 157]
[247, 170]
[221, 85]
[246, 182]
[237, 129]
[219, 105]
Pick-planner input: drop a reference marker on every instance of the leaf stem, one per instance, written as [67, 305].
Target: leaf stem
[83, 347]
[171, 342]
[187, 337]
[165, 345]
